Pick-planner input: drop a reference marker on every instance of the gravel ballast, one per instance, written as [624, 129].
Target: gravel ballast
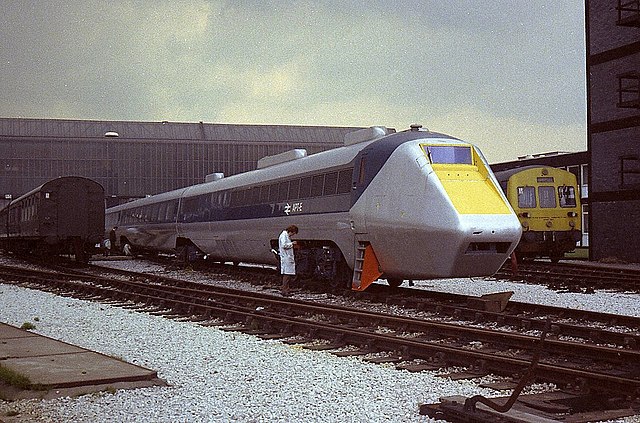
[218, 376]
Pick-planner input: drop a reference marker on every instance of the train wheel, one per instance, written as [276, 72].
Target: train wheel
[394, 282]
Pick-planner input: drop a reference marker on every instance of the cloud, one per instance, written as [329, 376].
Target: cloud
[301, 62]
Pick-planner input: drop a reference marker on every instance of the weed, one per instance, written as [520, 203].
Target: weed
[28, 326]
[14, 378]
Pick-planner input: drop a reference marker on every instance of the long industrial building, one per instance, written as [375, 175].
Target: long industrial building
[136, 159]
[613, 124]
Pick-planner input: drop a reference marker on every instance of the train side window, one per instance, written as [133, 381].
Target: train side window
[526, 197]
[294, 187]
[283, 191]
[330, 183]
[246, 197]
[170, 213]
[190, 210]
[154, 211]
[547, 197]
[235, 198]
[273, 192]
[225, 199]
[567, 196]
[344, 181]
[316, 185]
[255, 195]
[162, 211]
[305, 187]
[264, 193]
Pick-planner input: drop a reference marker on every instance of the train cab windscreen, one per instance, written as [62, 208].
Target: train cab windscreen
[527, 197]
[448, 154]
[547, 197]
[567, 196]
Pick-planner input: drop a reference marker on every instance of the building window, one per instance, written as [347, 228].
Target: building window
[629, 172]
[629, 90]
[628, 13]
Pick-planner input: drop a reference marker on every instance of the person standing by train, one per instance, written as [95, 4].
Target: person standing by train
[287, 260]
[112, 240]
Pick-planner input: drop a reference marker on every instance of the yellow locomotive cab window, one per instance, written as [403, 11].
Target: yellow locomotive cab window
[527, 197]
[567, 196]
[547, 197]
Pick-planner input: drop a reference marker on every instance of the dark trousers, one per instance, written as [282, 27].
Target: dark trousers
[287, 280]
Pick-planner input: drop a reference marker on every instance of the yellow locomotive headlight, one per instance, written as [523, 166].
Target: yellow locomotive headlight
[549, 223]
[525, 225]
[572, 223]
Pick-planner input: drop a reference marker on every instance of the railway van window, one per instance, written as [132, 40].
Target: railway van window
[526, 197]
[448, 154]
[547, 197]
[567, 196]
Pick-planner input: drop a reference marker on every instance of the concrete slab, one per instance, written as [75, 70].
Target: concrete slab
[33, 346]
[56, 367]
[76, 369]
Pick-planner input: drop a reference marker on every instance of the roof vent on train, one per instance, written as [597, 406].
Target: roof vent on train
[367, 134]
[415, 127]
[212, 177]
[287, 156]
[111, 134]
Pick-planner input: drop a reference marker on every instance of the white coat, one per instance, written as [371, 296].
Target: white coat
[287, 261]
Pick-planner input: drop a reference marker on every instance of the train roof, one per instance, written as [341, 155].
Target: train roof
[504, 175]
[381, 147]
[54, 182]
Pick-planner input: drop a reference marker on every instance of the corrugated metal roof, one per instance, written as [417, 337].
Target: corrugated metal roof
[60, 128]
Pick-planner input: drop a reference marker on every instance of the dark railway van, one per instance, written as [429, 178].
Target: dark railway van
[62, 216]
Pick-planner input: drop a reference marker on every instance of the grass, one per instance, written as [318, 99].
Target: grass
[14, 378]
[580, 253]
[28, 326]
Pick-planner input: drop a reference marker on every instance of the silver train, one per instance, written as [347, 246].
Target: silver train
[408, 205]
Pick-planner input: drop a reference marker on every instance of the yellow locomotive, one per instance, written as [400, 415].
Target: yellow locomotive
[547, 202]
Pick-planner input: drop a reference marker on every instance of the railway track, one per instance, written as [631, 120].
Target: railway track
[413, 342]
[572, 277]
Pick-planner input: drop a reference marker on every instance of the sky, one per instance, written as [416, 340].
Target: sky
[505, 75]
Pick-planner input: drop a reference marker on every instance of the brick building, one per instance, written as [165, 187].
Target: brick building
[613, 122]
